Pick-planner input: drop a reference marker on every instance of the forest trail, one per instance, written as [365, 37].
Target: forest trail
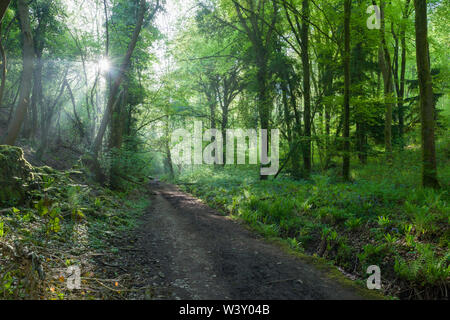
[183, 249]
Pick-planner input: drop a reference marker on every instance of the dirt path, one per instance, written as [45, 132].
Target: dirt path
[185, 250]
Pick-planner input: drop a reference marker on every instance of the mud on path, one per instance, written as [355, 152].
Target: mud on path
[183, 249]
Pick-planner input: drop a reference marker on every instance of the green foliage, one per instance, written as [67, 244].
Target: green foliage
[51, 212]
[6, 283]
[372, 255]
[426, 268]
[344, 255]
[390, 239]
[353, 223]
[127, 166]
[78, 215]
[295, 244]
[384, 221]
[2, 229]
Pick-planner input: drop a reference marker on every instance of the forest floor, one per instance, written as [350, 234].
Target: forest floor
[183, 249]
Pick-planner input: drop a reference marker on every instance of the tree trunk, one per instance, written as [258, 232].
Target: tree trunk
[357, 71]
[288, 123]
[36, 98]
[27, 74]
[263, 99]
[37, 93]
[3, 8]
[328, 91]
[429, 172]
[48, 119]
[297, 132]
[401, 95]
[224, 130]
[260, 41]
[385, 65]
[167, 146]
[116, 137]
[304, 35]
[77, 121]
[118, 120]
[212, 109]
[346, 157]
[3, 62]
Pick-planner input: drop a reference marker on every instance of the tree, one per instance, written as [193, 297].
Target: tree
[400, 83]
[346, 158]
[115, 87]
[429, 169]
[304, 36]
[47, 117]
[386, 70]
[301, 35]
[46, 14]
[260, 33]
[27, 73]
[3, 7]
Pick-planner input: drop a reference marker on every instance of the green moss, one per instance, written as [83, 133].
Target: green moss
[45, 170]
[15, 175]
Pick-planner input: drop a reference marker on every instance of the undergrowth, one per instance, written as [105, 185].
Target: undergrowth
[383, 218]
[65, 221]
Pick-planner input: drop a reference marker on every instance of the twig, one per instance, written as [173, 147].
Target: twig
[105, 286]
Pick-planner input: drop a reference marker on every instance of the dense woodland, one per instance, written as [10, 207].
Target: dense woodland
[91, 91]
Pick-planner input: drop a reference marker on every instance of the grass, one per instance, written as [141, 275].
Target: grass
[383, 218]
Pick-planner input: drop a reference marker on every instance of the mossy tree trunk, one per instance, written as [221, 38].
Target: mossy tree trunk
[16, 174]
